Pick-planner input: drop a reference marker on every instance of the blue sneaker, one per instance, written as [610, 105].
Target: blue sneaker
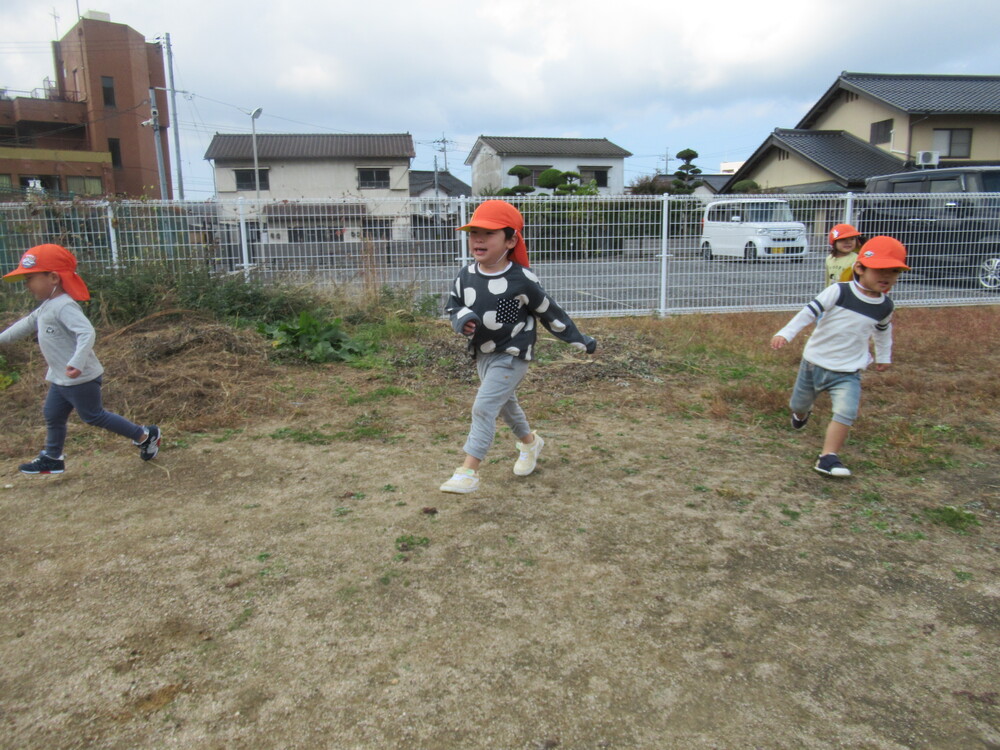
[43, 465]
[831, 466]
[799, 422]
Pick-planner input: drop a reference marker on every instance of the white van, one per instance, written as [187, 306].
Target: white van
[752, 228]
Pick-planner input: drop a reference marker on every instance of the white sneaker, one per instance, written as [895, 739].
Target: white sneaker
[462, 481]
[525, 463]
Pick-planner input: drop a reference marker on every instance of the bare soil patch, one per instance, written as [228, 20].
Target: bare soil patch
[674, 575]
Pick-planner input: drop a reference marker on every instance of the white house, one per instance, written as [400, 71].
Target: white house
[595, 159]
[317, 188]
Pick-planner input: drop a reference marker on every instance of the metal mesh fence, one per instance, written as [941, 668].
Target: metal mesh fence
[597, 255]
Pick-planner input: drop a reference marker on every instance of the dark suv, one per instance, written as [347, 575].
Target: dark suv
[949, 220]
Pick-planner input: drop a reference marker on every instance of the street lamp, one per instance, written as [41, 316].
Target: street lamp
[256, 171]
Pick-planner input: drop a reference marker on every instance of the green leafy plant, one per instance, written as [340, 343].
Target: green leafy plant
[314, 339]
[7, 376]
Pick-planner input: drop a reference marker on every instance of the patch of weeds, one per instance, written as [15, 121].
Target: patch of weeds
[250, 506]
[387, 577]
[227, 434]
[313, 338]
[347, 592]
[241, 619]
[340, 512]
[310, 437]
[700, 488]
[8, 376]
[907, 536]
[793, 515]
[408, 542]
[954, 518]
[378, 394]
[389, 488]
[962, 575]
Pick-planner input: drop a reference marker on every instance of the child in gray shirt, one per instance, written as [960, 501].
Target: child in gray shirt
[66, 338]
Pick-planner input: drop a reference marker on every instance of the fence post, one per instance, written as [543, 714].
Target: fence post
[460, 237]
[664, 248]
[849, 209]
[112, 234]
[244, 247]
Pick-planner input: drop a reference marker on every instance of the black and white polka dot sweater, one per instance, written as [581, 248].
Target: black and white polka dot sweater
[505, 307]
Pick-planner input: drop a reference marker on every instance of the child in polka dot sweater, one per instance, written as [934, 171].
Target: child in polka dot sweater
[495, 302]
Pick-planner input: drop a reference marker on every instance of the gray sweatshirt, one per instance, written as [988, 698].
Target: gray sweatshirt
[65, 337]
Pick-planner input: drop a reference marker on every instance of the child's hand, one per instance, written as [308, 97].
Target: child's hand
[778, 341]
[469, 328]
[881, 366]
[72, 372]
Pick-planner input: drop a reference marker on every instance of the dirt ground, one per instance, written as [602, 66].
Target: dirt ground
[665, 579]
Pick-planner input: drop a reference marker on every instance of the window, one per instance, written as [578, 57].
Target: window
[956, 142]
[946, 185]
[108, 87]
[598, 174]
[115, 149]
[532, 179]
[84, 185]
[369, 179]
[245, 181]
[782, 154]
[5, 182]
[881, 132]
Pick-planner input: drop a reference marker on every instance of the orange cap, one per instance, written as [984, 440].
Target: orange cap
[496, 214]
[843, 232]
[883, 252]
[55, 259]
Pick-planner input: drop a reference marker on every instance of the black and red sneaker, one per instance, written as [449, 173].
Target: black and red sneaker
[43, 465]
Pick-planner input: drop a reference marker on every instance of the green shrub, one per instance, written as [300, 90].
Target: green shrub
[314, 339]
[125, 295]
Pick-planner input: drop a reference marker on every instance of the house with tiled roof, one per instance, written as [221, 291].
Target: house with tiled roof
[316, 190]
[312, 166]
[867, 124]
[598, 159]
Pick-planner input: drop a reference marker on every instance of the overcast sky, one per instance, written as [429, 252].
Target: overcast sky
[653, 77]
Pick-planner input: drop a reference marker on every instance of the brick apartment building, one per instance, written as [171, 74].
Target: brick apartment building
[82, 134]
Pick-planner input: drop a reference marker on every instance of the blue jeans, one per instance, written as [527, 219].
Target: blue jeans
[844, 389]
[86, 399]
[499, 375]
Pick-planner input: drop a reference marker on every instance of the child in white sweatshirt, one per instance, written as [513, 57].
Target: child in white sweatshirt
[66, 339]
[850, 314]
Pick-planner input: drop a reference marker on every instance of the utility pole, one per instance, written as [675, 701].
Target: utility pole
[173, 113]
[154, 121]
[443, 143]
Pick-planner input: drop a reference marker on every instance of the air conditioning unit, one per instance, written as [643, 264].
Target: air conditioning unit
[928, 158]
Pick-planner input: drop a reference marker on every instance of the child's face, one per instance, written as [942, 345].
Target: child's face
[42, 284]
[877, 279]
[490, 247]
[846, 245]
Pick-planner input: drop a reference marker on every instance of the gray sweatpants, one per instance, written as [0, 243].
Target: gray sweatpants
[499, 376]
